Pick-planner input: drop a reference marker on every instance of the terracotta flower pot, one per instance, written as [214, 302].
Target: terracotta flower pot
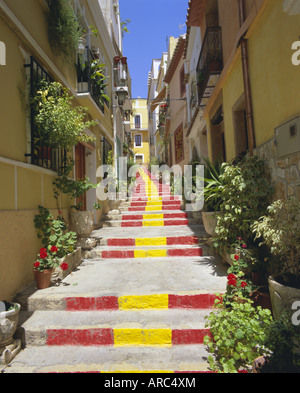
[43, 278]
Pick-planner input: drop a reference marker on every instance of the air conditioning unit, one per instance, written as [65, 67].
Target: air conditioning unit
[287, 137]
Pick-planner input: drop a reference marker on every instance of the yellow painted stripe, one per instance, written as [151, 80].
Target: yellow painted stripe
[153, 208]
[155, 241]
[153, 216]
[144, 337]
[154, 203]
[149, 253]
[144, 302]
[153, 223]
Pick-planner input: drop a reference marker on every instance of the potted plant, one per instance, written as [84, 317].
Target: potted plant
[9, 316]
[212, 195]
[280, 231]
[45, 264]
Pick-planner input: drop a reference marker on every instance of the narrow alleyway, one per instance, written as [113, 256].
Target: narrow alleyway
[136, 303]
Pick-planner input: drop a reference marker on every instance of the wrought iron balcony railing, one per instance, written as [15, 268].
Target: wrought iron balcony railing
[210, 63]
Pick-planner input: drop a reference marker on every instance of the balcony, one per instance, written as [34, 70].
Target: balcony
[210, 64]
[90, 78]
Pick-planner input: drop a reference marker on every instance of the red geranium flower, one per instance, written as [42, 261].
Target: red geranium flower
[43, 253]
[64, 266]
[53, 249]
[236, 257]
[243, 284]
[36, 264]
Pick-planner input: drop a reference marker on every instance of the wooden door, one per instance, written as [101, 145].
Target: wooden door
[80, 171]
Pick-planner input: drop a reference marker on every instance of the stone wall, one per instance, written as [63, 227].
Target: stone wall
[284, 171]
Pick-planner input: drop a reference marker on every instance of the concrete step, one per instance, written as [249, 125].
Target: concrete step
[89, 359]
[127, 216]
[150, 241]
[115, 328]
[145, 252]
[98, 281]
[148, 223]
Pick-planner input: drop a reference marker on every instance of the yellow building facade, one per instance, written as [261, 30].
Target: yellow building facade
[27, 177]
[249, 94]
[140, 131]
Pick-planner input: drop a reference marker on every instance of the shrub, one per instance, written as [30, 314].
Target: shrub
[245, 190]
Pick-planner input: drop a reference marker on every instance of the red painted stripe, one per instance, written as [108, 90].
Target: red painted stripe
[175, 215]
[92, 303]
[80, 337]
[186, 252]
[188, 336]
[132, 217]
[199, 301]
[121, 242]
[154, 203]
[118, 254]
[169, 223]
[182, 240]
[131, 224]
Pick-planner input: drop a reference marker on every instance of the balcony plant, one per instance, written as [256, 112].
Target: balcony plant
[64, 29]
[46, 262]
[279, 229]
[60, 124]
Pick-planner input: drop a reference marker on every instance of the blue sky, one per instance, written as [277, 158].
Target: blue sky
[151, 22]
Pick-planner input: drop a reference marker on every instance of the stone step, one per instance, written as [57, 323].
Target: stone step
[91, 359]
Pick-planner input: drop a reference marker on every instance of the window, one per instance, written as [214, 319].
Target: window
[39, 152]
[137, 121]
[138, 140]
[182, 84]
[139, 159]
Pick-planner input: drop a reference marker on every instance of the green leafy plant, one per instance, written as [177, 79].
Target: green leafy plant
[212, 185]
[54, 232]
[245, 193]
[74, 188]
[282, 337]
[237, 336]
[64, 29]
[280, 231]
[98, 82]
[60, 124]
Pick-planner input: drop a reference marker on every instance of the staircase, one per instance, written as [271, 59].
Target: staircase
[136, 303]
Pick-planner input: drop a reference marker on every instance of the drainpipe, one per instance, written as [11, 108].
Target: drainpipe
[247, 88]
